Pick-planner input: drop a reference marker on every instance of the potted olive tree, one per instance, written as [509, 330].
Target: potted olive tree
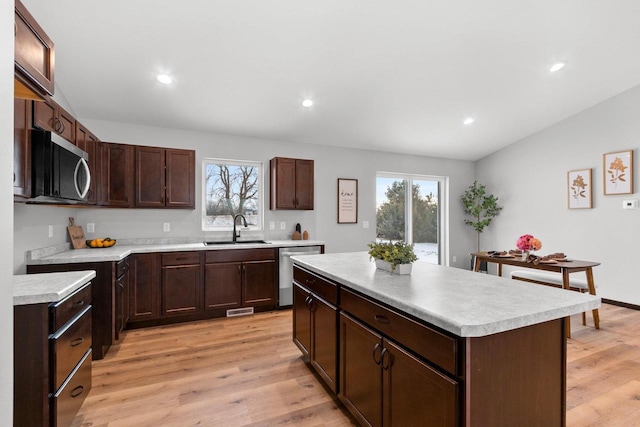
[481, 207]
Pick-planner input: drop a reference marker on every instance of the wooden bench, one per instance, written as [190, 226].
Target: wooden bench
[555, 280]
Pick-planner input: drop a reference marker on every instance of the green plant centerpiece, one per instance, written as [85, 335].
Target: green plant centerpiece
[481, 206]
[394, 253]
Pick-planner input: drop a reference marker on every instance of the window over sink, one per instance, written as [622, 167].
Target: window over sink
[230, 188]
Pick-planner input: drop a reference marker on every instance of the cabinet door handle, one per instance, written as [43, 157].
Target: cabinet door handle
[381, 319]
[77, 391]
[76, 342]
[386, 365]
[239, 270]
[376, 359]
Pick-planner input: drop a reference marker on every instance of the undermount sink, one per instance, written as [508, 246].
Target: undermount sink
[239, 242]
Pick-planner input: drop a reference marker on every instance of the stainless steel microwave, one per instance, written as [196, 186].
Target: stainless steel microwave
[59, 170]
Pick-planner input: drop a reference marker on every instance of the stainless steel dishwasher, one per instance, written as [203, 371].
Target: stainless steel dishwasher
[286, 270]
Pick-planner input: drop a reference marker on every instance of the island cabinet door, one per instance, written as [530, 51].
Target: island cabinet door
[324, 341]
[301, 320]
[414, 394]
[360, 372]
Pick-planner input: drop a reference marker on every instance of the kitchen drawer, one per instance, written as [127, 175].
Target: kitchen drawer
[67, 401]
[434, 346]
[68, 345]
[122, 267]
[239, 255]
[319, 286]
[181, 258]
[65, 310]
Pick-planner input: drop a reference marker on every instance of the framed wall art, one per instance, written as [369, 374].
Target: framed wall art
[618, 172]
[347, 201]
[579, 189]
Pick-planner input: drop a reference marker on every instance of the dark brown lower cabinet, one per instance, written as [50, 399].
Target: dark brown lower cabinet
[240, 278]
[144, 287]
[384, 385]
[52, 360]
[122, 296]
[181, 283]
[315, 333]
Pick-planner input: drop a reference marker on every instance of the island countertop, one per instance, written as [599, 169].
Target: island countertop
[465, 303]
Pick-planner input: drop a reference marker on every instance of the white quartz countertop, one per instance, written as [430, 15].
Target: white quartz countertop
[119, 252]
[465, 303]
[48, 287]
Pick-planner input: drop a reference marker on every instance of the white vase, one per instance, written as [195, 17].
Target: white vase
[400, 268]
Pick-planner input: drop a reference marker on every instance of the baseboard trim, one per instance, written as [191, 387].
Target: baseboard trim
[621, 304]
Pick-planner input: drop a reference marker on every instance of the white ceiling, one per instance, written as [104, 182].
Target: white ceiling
[396, 76]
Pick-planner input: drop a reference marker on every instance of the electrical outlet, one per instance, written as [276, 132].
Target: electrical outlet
[272, 225]
[283, 225]
[51, 231]
[455, 259]
[91, 227]
[166, 226]
[365, 224]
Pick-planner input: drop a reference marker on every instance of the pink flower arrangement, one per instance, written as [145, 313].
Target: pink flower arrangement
[528, 243]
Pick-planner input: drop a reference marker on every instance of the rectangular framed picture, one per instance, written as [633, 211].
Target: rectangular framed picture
[579, 189]
[618, 172]
[347, 201]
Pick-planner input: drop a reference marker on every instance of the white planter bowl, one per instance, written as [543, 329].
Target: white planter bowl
[400, 268]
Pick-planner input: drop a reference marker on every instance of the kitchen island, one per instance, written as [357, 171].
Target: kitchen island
[439, 347]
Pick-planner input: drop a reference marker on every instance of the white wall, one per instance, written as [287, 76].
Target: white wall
[31, 223]
[6, 212]
[530, 178]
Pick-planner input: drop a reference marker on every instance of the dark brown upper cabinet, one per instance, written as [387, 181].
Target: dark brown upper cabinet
[115, 175]
[165, 178]
[49, 116]
[34, 55]
[291, 184]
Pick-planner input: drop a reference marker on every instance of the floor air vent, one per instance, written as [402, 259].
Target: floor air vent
[239, 312]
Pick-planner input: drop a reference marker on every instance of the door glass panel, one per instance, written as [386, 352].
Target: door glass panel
[390, 209]
[424, 216]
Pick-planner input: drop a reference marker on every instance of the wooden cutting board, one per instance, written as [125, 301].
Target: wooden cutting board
[76, 234]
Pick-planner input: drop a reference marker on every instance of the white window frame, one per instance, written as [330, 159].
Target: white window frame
[443, 208]
[260, 199]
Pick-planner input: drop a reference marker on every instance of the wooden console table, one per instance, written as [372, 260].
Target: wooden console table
[563, 267]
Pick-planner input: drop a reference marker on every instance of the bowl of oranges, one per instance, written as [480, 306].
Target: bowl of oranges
[106, 242]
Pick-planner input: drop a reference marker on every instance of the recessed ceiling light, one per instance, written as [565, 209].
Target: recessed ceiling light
[468, 121]
[307, 103]
[165, 79]
[557, 67]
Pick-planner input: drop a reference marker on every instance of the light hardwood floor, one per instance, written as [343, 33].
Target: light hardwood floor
[245, 371]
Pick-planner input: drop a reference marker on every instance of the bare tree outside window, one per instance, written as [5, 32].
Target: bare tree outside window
[231, 188]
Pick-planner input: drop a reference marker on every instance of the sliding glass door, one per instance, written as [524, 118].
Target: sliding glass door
[409, 208]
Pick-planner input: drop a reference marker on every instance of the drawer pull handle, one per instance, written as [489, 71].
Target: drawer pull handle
[309, 281]
[376, 359]
[381, 319]
[76, 342]
[77, 391]
[78, 303]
